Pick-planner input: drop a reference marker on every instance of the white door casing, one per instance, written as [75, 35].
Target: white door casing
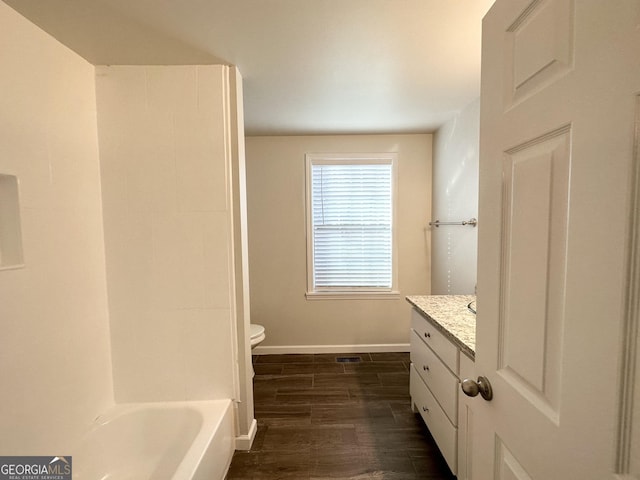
[628, 447]
[559, 86]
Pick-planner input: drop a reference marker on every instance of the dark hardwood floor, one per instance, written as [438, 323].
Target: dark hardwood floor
[322, 417]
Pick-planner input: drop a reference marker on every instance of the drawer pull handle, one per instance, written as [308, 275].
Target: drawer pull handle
[427, 335]
[425, 409]
[425, 368]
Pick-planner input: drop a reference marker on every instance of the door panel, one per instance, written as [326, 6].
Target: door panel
[536, 182]
[508, 466]
[539, 46]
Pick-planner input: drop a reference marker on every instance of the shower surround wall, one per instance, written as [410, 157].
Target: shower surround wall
[55, 361]
[167, 202]
[455, 198]
[168, 144]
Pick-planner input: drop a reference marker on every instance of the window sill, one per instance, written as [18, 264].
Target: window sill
[353, 295]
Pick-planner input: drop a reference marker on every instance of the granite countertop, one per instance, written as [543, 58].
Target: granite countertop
[449, 313]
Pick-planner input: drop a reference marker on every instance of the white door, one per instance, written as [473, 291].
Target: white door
[559, 85]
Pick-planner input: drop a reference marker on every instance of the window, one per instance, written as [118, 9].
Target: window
[350, 225]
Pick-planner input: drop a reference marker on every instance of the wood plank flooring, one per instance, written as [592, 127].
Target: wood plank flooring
[320, 418]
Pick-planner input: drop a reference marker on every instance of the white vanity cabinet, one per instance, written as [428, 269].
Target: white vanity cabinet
[439, 359]
[434, 384]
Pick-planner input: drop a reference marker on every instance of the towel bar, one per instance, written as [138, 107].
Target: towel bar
[472, 221]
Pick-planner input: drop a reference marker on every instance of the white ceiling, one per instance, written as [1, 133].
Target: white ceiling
[309, 66]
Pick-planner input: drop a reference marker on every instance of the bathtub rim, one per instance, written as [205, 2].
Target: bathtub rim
[213, 414]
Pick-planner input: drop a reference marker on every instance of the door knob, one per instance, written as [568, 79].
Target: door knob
[472, 388]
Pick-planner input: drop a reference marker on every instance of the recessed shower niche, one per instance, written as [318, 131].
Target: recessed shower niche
[10, 232]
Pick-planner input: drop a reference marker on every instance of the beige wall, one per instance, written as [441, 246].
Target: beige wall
[277, 244]
[167, 219]
[55, 365]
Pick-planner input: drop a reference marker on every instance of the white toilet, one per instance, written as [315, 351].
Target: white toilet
[257, 335]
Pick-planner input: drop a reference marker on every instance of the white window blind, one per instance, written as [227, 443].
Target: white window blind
[352, 224]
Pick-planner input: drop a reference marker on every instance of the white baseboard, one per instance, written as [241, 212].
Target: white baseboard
[286, 349]
[244, 442]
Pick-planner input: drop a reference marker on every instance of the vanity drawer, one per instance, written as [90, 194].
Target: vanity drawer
[443, 432]
[442, 346]
[442, 383]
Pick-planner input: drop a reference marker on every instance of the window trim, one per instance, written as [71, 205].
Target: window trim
[344, 293]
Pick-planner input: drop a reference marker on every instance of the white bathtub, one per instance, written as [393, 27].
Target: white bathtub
[157, 441]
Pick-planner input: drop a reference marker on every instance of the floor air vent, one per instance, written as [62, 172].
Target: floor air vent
[348, 359]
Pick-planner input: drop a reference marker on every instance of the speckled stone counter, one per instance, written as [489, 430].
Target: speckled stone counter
[449, 314]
